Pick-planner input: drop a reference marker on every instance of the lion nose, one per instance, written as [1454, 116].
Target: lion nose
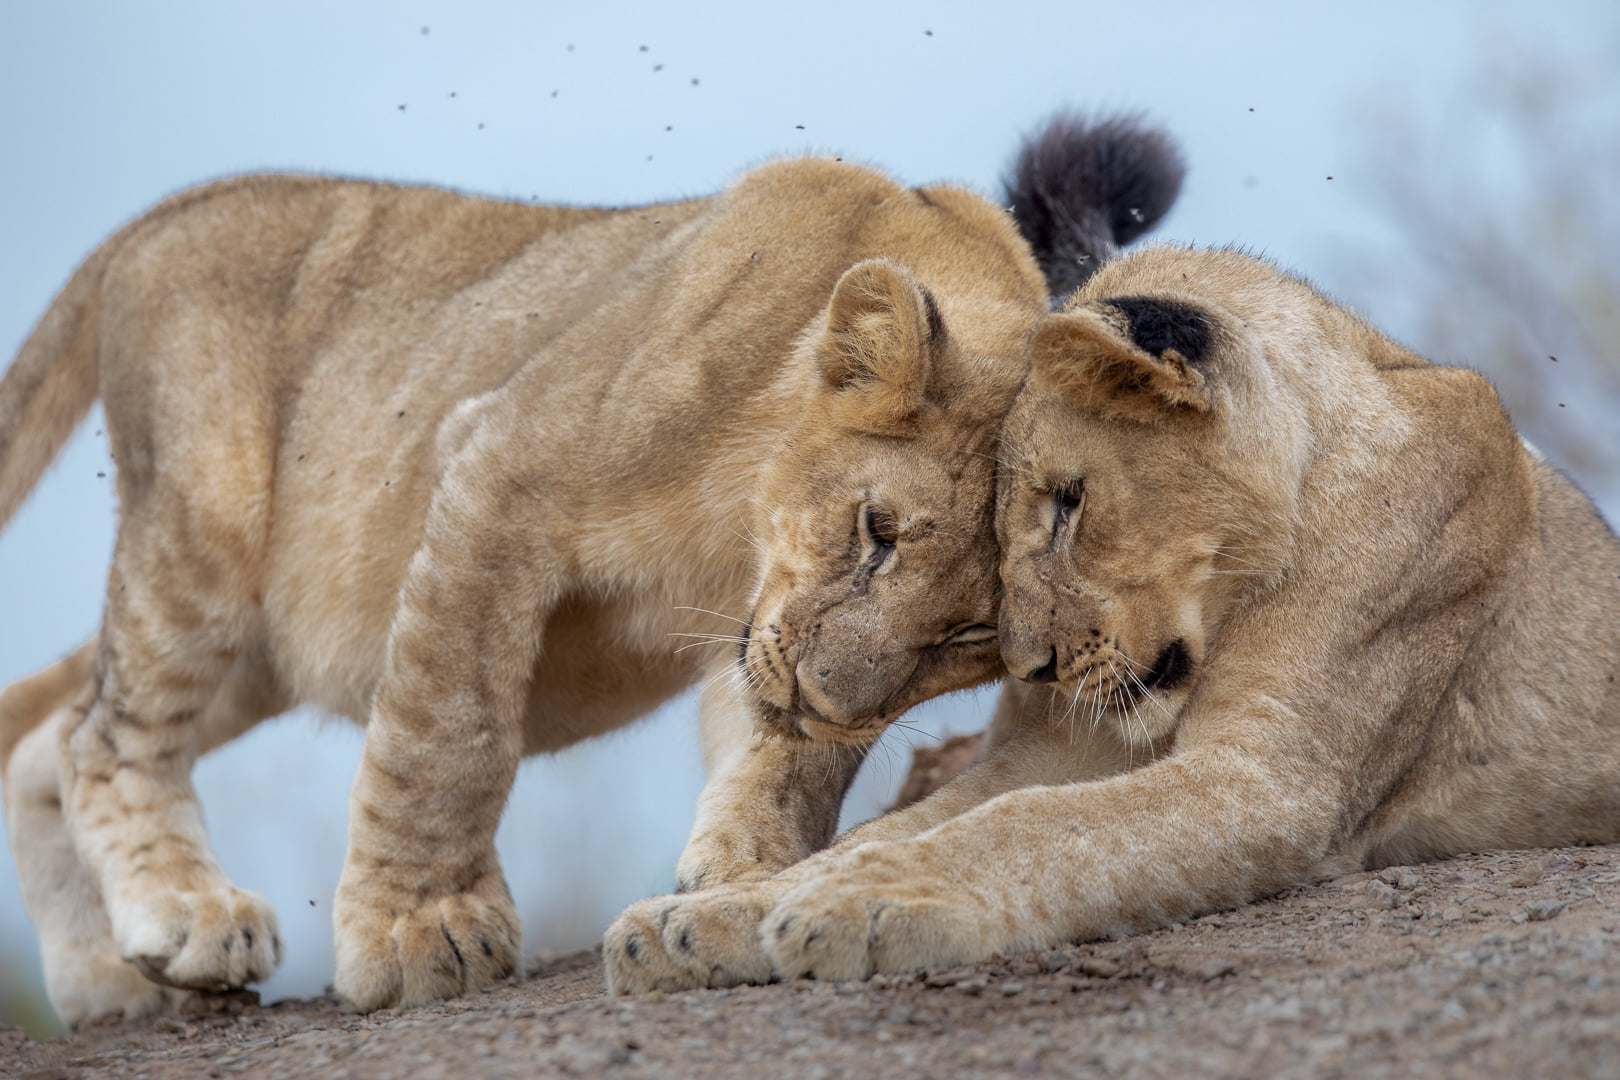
[1046, 673]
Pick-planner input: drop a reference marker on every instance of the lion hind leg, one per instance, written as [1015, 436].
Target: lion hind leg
[168, 659]
[85, 975]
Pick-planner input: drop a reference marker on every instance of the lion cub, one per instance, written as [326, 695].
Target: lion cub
[1288, 601]
[472, 471]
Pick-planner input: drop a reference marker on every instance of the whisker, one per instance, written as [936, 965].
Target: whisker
[1151, 696]
[1001, 462]
[1225, 553]
[1135, 713]
[716, 614]
[695, 644]
[750, 541]
[764, 549]
[912, 727]
[729, 669]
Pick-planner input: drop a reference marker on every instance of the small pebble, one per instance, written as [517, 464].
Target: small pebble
[1531, 873]
[1542, 910]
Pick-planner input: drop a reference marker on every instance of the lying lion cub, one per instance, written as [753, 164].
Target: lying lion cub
[474, 470]
[1308, 605]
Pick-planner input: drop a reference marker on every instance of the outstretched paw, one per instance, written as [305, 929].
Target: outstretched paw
[689, 942]
[874, 910]
[208, 939]
[455, 945]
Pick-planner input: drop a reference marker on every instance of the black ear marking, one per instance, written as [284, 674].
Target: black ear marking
[936, 322]
[1158, 326]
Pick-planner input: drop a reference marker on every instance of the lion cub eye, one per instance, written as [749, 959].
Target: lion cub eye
[879, 530]
[972, 634]
[1069, 500]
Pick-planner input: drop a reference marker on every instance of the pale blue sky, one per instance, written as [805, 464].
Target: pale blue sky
[106, 107]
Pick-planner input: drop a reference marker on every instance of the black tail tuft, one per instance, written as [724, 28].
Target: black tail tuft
[1080, 190]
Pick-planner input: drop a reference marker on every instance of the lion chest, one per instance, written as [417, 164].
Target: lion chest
[604, 663]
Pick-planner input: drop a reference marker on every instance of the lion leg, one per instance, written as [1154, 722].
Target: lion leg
[1027, 743]
[712, 938]
[85, 975]
[125, 777]
[1042, 866]
[423, 911]
[768, 803]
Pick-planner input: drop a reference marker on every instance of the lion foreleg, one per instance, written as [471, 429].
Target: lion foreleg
[1043, 866]
[711, 938]
[1027, 744]
[769, 801]
[423, 911]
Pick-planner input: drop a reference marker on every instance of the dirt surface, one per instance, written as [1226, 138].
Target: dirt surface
[1489, 965]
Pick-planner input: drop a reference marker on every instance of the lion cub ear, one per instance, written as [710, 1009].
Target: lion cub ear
[1128, 355]
[877, 349]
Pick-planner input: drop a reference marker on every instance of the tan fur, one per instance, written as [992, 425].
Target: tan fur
[473, 472]
[1400, 633]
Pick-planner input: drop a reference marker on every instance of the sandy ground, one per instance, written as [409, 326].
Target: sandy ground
[1491, 965]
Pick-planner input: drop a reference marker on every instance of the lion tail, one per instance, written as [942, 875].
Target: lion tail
[1081, 189]
[51, 384]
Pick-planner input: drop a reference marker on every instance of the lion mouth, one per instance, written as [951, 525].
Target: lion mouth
[817, 729]
[767, 676]
[802, 725]
[1170, 669]
[778, 721]
[1121, 682]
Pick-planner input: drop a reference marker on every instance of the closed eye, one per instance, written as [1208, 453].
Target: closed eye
[879, 532]
[973, 634]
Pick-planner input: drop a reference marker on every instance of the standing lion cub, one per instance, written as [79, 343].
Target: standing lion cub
[472, 471]
[1306, 605]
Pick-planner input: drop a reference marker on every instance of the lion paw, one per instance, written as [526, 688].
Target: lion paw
[688, 942]
[871, 912]
[209, 939]
[456, 945]
[86, 987]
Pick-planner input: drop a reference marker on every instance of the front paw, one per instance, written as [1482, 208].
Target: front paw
[878, 909]
[454, 945]
[213, 940]
[688, 942]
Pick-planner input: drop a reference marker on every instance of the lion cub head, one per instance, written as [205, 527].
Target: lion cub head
[879, 587]
[1154, 461]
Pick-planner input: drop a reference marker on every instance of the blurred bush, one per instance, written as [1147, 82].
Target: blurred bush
[1505, 210]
